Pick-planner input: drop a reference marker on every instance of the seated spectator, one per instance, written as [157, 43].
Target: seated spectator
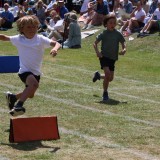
[151, 10]
[145, 6]
[27, 9]
[40, 13]
[101, 10]
[136, 21]
[153, 6]
[54, 7]
[21, 11]
[84, 7]
[50, 5]
[134, 2]
[88, 16]
[69, 4]
[62, 8]
[111, 5]
[54, 31]
[6, 17]
[153, 22]
[116, 5]
[124, 11]
[74, 31]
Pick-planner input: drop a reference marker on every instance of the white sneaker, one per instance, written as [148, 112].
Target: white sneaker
[90, 26]
[17, 111]
[85, 26]
[120, 30]
[146, 31]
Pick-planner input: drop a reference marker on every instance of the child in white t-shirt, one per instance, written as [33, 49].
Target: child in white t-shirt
[30, 48]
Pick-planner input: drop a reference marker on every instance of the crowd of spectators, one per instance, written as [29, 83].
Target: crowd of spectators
[132, 15]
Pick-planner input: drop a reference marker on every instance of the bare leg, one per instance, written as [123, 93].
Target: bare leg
[29, 91]
[125, 25]
[108, 77]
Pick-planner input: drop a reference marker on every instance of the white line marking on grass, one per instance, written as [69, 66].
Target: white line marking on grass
[138, 81]
[138, 98]
[3, 110]
[71, 102]
[98, 141]
[72, 68]
[92, 72]
[3, 158]
[85, 86]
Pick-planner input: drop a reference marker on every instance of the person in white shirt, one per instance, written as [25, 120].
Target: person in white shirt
[136, 21]
[154, 21]
[30, 48]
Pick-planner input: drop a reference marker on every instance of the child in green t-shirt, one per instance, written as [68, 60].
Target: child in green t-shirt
[110, 39]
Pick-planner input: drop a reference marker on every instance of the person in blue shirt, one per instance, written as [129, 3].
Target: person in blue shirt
[62, 8]
[6, 17]
[153, 6]
[128, 6]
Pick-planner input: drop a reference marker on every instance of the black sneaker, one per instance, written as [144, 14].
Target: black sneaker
[96, 76]
[11, 99]
[105, 96]
[17, 110]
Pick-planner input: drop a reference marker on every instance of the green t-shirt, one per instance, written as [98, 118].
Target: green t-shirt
[110, 43]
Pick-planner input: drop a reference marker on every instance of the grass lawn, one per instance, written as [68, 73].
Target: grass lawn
[125, 128]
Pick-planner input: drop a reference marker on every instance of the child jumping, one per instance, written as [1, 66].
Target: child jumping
[110, 39]
[30, 48]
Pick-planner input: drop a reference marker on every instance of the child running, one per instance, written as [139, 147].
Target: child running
[110, 39]
[30, 48]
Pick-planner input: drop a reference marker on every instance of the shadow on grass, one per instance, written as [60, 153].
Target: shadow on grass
[110, 101]
[30, 146]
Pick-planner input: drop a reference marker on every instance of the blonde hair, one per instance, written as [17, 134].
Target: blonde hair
[29, 19]
[39, 1]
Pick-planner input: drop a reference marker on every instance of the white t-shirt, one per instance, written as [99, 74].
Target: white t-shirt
[139, 14]
[157, 13]
[30, 52]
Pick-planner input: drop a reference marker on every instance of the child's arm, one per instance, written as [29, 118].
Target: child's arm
[4, 37]
[95, 45]
[123, 48]
[56, 46]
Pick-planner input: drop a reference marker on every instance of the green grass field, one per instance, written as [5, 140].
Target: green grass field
[125, 128]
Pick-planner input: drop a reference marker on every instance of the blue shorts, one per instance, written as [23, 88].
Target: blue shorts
[106, 62]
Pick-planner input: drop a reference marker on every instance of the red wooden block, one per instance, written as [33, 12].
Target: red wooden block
[33, 128]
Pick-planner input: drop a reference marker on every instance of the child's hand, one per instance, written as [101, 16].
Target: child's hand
[53, 52]
[99, 55]
[122, 52]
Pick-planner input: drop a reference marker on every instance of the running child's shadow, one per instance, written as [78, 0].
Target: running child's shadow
[110, 101]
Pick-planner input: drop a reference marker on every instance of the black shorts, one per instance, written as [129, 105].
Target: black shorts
[106, 62]
[24, 76]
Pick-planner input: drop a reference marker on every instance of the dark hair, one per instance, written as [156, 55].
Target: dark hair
[108, 17]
